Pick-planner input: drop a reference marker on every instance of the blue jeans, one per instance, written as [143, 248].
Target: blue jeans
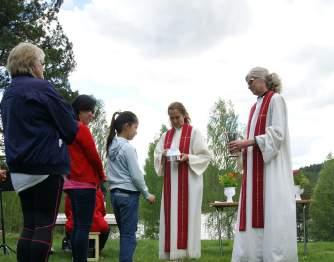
[125, 205]
[83, 205]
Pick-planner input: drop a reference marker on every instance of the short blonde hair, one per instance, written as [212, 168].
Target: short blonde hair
[23, 57]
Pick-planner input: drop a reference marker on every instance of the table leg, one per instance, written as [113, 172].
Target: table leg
[219, 225]
[304, 229]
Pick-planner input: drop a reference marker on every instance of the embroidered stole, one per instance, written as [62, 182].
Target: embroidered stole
[258, 169]
[182, 202]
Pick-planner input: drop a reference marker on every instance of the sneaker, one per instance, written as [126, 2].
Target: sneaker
[52, 251]
[66, 245]
[67, 250]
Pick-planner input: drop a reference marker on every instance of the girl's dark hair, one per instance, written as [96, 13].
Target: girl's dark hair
[83, 103]
[119, 119]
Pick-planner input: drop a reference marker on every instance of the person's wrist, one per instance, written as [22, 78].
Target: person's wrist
[251, 142]
[254, 142]
[147, 195]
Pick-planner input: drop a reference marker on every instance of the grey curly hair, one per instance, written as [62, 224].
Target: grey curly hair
[272, 79]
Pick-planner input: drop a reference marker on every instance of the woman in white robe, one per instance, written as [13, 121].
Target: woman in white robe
[197, 160]
[276, 240]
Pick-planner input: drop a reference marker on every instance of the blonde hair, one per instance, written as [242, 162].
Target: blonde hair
[23, 57]
[180, 107]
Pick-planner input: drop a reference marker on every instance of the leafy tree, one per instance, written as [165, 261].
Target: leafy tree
[4, 78]
[100, 130]
[312, 173]
[150, 214]
[303, 181]
[322, 206]
[36, 21]
[57, 3]
[212, 190]
[222, 119]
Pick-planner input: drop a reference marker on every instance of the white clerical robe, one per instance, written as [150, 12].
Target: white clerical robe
[199, 158]
[277, 241]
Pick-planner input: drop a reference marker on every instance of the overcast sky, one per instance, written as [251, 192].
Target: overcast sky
[140, 55]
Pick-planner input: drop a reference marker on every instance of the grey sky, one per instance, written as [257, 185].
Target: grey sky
[142, 55]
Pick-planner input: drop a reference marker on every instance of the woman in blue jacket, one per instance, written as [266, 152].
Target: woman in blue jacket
[37, 125]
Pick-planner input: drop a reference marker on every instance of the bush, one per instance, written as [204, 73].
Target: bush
[322, 206]
[301, 180]
[229, 179]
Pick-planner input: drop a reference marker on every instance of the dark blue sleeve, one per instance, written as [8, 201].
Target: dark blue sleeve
[61, 113]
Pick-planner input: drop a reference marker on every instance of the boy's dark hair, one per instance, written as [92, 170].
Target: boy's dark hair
[83, 103]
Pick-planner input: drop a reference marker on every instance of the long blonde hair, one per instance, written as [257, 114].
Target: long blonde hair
[180, 107]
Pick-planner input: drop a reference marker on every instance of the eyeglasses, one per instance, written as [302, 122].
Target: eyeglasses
[250, 81]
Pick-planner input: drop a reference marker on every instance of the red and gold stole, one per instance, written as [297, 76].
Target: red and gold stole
[182, 202]
[258, 168]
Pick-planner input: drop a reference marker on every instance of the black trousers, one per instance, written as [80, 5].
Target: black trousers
[40, 205]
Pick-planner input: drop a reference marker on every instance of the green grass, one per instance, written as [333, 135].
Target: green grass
[147, 251]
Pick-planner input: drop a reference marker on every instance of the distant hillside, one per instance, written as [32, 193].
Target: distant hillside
[312, 172]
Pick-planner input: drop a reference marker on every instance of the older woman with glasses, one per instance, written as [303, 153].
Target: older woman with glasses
[266, 223]
[37, 125]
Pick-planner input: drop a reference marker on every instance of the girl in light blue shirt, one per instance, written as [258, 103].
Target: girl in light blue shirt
[126, 180]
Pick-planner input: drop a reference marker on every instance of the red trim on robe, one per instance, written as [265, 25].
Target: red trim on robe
[258, 170]
[183, 201]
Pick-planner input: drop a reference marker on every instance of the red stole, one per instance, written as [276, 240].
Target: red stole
[258, 169]
[182, 201]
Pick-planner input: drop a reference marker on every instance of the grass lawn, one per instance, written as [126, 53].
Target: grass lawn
[147, 251]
